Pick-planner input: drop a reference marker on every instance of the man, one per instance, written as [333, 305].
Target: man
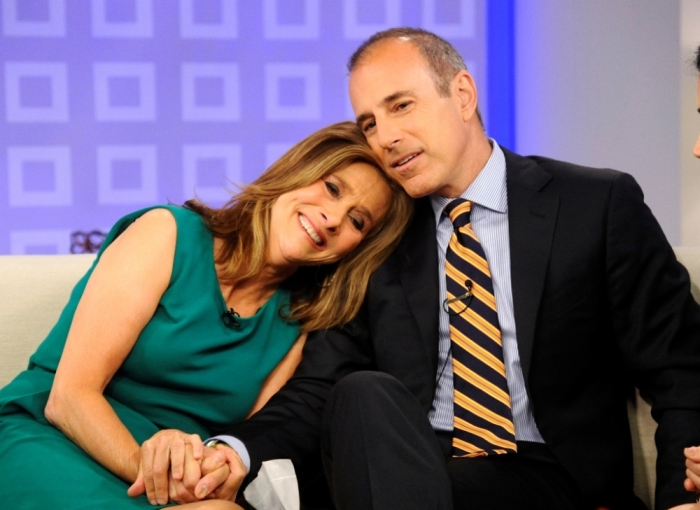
[562, 269]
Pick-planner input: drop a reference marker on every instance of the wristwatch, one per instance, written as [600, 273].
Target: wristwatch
[213, 443]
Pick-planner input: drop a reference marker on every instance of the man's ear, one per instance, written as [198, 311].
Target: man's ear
[464, 92]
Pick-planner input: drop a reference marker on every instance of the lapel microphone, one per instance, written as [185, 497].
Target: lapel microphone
[229, 319]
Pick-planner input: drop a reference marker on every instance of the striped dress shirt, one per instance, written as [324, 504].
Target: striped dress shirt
[489, 219]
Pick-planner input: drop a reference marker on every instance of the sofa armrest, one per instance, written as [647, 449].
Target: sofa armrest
[33, 291]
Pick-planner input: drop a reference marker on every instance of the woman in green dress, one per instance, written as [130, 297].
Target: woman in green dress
[184, 316]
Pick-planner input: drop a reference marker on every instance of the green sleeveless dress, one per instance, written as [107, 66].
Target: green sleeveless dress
[187, 371]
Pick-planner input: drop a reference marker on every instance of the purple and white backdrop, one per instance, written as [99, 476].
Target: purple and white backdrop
[108, 106]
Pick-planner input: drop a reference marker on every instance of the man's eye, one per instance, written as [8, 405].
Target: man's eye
[358, 223]
[332, 188]
[369, 126]
[401, 106]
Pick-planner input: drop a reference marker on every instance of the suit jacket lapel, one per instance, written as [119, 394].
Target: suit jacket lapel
[532, 215]
[418, 273]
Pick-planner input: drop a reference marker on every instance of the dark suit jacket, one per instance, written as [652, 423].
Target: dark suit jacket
[601, 305]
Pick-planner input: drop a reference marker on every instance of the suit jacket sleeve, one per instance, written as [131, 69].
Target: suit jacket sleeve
[657, 324]
[289, 425]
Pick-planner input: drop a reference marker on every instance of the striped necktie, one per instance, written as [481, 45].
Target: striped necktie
[483, 420]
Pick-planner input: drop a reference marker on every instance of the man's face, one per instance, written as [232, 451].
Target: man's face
[696, 150]
[419, 135]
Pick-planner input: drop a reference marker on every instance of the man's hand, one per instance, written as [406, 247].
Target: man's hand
[176, 466]
[182, 491]
[220, 482]
[213, 462]
[162, 457]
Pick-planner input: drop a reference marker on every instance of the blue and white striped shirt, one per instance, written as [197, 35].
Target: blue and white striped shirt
[489, 219]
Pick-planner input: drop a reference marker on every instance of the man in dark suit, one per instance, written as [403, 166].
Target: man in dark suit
[589, 301]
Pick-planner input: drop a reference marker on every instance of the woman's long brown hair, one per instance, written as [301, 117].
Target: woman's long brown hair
[322, 296]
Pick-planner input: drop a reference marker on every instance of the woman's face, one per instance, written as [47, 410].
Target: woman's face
[322, 222]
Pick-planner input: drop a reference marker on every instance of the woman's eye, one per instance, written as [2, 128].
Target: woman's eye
[358, 223]
[332, 188]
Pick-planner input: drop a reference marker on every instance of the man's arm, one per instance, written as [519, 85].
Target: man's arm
[288, 426]
[657, 323]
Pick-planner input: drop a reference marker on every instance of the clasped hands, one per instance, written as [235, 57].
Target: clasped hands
[176, 467]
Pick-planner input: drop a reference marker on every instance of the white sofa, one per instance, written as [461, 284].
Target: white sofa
[34, 289]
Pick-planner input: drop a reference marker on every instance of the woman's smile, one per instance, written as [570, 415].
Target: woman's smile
[309, 228]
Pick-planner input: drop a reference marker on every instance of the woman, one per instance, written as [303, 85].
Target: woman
[184, 315]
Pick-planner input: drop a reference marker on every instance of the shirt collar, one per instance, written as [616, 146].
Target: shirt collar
[487, 190]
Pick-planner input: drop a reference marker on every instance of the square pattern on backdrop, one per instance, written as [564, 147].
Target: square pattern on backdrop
[107, 106]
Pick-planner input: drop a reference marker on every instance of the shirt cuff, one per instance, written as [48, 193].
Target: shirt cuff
[238, 446]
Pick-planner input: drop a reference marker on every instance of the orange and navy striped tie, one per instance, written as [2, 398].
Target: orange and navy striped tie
[483, 420]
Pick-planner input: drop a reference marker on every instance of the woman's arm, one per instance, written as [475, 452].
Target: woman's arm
[280, 375]
[119, 300]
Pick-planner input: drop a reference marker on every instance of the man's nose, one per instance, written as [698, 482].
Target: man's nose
[388, 135]
[696, 150]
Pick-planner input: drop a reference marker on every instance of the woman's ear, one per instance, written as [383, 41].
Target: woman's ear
[464, 92]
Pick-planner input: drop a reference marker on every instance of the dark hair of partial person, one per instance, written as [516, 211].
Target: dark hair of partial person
[322, 296]
[697, 59]
[443, 59]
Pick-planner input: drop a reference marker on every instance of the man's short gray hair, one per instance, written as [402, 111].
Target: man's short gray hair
[444, 61]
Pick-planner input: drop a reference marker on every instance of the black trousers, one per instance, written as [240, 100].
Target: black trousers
[380, 452]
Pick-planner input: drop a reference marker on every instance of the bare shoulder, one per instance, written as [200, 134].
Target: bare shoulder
[155, 228]
[147, 244]
[158, 220]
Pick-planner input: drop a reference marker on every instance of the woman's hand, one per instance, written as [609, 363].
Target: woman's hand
[163, 458]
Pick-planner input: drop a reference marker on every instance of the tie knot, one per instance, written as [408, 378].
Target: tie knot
[459, 212]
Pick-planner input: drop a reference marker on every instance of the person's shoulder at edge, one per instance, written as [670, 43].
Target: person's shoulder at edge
[155, 228]
[158, 217]
[558, 167]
